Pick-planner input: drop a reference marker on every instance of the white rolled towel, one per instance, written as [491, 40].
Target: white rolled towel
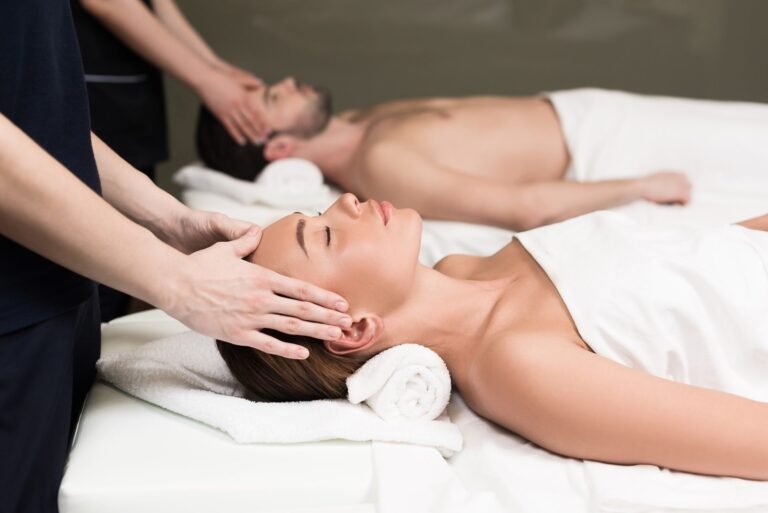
[405, 382]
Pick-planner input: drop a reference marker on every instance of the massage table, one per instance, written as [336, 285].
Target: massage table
[130, 456]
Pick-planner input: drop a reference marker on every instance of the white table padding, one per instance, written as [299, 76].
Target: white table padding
[131, 456]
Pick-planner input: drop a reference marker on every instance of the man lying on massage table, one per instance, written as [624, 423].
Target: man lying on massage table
[599, 337]
[491, 160]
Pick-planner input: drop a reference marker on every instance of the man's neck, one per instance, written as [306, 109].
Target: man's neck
[335, 149]
[448, 315]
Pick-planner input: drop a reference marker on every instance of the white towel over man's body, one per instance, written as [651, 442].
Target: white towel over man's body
[721, 146]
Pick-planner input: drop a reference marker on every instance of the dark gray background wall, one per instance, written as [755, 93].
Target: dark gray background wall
[372, 50]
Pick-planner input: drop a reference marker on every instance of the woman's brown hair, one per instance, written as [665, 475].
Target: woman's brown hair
[273, 378]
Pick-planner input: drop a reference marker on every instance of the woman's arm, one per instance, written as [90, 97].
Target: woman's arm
[756, 223]
[582, 405]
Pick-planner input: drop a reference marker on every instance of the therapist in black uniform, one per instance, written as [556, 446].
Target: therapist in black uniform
[72, 211]
[122, 44]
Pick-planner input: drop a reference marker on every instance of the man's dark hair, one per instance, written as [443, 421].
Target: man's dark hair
[219, 151]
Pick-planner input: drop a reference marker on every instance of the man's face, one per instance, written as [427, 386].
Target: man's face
[292, 107]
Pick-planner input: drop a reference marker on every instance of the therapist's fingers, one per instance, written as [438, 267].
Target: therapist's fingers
[247, 79]
[294, 326]
[224, 227]
[304, 291]
[247, 243]
[233, 129]
[252, 122]
[271, 345]
[249, 124]
[309, 311]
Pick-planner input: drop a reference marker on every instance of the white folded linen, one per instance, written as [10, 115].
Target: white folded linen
[408, 382]
[185, 374]
[418, 480]
[721, 146]
[286, 183]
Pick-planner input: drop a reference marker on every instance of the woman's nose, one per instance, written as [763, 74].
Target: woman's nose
[350, 205]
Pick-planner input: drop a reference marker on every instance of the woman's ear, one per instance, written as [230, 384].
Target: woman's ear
[362, 335]
[280, 147]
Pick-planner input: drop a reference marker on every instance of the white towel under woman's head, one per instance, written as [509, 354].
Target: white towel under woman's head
[184, 373]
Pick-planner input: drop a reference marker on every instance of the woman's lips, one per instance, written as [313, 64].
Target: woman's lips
[384, 209]
[387, 209]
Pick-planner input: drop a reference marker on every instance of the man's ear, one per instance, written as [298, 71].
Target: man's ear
[362, 335]
[280, 147]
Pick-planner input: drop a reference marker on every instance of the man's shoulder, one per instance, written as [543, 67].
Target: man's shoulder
[381, 144]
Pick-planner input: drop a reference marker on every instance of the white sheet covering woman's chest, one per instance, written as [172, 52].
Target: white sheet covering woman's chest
[687, 304]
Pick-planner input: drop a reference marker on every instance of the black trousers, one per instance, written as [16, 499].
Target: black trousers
[46, 370]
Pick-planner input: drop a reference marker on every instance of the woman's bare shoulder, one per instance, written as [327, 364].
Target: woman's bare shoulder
[506, 366]
[458, 266]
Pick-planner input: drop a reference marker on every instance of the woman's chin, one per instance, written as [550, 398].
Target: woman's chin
[415, 222]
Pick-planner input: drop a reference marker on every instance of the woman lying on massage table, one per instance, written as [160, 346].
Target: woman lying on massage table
[598, 338]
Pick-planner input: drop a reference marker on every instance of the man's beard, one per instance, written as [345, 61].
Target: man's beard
[320, 111]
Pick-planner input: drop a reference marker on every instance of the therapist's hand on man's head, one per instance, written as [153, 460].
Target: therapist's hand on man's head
[225, 93]
[221, 295]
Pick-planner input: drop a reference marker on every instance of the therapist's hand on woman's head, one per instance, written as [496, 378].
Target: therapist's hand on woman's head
[192, 230]
[221, 295]
[225, 94]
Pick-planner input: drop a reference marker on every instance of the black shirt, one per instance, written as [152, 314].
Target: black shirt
[125, 93]
[42, 91]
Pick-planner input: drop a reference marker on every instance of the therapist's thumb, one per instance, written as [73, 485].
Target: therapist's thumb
[247, 243]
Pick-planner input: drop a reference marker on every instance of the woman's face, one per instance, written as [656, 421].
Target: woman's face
[367, 252]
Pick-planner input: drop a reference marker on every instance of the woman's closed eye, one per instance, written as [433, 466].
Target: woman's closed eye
[327, 233]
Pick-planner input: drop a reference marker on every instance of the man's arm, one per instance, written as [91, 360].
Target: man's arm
[581, 405]
[134, 24]
[47, 209]
[408, 179]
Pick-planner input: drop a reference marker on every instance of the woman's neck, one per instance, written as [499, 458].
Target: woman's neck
[448, 315]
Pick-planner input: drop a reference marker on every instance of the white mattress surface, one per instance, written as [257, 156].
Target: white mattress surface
[131, 456]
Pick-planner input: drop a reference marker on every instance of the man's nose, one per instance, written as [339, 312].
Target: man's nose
[290, 83]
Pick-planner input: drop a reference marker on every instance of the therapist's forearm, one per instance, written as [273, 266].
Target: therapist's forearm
[47, 209]
[174, 20]
[134, 24]
[133, 193]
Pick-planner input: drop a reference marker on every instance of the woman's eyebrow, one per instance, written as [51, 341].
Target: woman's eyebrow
[300, 235]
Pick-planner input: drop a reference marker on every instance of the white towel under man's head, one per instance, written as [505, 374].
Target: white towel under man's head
[285, 183]
[407, 386]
